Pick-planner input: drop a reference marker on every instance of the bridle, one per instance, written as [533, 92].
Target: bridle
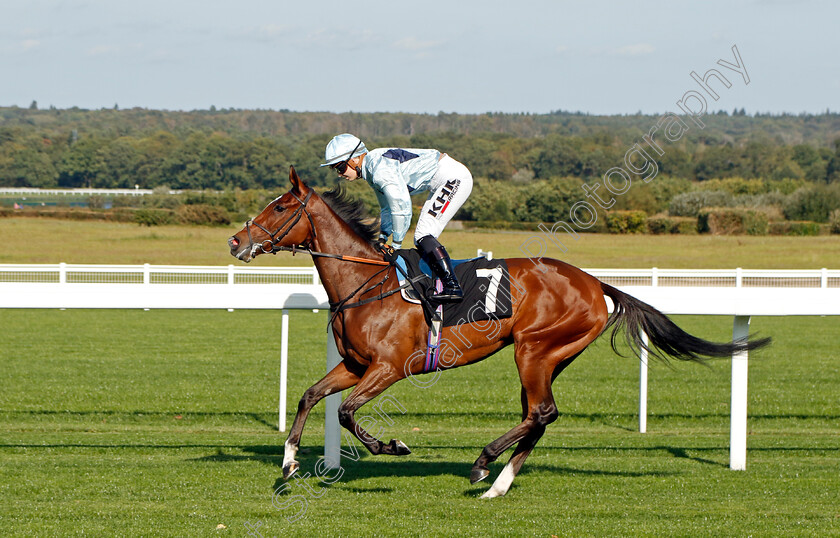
[269, 246]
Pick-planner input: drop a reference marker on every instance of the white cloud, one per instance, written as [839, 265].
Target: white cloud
[15, 47]
[268, 31]
[335, 42]
[29, 44]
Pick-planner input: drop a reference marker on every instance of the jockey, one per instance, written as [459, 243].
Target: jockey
[395, 174]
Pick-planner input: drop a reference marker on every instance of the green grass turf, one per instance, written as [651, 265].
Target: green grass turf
[29, 240]
[163, 423]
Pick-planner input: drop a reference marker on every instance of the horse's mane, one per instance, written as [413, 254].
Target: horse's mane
[353, 211]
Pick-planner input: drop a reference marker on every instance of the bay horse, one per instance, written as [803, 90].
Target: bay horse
[557, 311]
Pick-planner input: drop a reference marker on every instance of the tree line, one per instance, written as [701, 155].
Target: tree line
[252, 149]
[527, 166]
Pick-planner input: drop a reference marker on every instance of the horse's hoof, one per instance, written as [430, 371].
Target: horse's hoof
[491, 493]
[398, 448]
[290, 469]
[478, 474]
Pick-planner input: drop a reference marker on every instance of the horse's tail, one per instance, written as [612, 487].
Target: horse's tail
[666, 338]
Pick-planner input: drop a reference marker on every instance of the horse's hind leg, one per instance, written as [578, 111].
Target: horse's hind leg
[538, 365]
[338, 379]
[541, 411]
[505, 479]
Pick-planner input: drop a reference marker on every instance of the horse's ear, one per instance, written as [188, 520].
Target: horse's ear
[297, 184]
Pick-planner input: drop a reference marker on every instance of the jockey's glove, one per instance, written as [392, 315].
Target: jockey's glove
[388, 252]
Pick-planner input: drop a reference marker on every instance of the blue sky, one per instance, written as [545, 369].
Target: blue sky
[602, 57]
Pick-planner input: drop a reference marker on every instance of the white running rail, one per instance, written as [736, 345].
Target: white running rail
[741, 293]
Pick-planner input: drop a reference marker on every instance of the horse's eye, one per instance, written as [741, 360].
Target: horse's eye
[278, 208]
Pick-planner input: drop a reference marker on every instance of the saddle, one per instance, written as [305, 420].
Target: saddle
[486, 286]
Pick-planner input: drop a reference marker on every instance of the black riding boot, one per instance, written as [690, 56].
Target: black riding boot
[437, 258]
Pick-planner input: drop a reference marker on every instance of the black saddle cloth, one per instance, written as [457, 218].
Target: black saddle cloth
[486, 286]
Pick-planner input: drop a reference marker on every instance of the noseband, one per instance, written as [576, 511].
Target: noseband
[269, 246]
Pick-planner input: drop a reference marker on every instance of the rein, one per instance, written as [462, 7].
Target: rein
[270, 246]
[314, 253]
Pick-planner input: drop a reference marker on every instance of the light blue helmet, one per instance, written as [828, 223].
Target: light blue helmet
[340, 149]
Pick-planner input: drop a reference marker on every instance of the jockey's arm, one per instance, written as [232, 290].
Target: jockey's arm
[386, 225]
[394, 201]
[398, 205]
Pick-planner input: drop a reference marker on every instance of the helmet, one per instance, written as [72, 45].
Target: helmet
[340, 149]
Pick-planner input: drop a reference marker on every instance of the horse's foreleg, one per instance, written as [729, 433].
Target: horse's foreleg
[338, 379]
[372, 384]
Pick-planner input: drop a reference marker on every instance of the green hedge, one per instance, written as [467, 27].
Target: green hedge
[671, 225]
[204, 214]
[154, 217]
[186, 214]
[794, 228]
[627, 222]
[732, 221]
[501, 225]
[68, 213]
[834, 222]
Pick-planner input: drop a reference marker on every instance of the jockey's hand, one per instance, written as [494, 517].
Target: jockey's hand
[388, 252]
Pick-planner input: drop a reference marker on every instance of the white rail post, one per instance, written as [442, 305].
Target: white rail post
[284, 366]
[332, 430]
[147, 277]
[231, 280]
[738, 406]
[643, 385]
[643, 366]
[62, 274]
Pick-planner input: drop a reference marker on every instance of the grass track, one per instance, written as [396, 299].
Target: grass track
[30, 240]
[163, 423]
[169, 430]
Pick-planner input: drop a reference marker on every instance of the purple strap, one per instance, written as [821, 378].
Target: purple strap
[433, 350]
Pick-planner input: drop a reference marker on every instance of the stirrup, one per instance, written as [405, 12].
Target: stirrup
[446, 298]
[449, 294]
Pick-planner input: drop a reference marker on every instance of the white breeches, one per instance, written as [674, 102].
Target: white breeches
[454, 183]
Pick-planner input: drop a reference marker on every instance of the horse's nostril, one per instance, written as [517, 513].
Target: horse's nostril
[234, 242]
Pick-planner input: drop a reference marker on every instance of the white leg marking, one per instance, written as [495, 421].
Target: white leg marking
[289, 454]
[502, 483]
